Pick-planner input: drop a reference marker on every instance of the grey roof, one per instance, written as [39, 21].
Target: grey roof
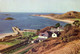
[41, 39]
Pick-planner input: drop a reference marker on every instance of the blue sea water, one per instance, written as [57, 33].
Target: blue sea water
[24, 21]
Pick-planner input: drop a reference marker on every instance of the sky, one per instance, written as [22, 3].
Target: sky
[41, 6]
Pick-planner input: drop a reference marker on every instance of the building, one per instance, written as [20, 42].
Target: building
[42, 36]
[45, 35]
[56, 34]
[57, 29]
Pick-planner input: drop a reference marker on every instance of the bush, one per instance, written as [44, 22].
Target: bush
[57, 25]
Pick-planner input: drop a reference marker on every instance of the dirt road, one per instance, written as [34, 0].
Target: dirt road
[24, 49]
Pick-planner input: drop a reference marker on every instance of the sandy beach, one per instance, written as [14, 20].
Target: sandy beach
[63, 20]
[6, 34]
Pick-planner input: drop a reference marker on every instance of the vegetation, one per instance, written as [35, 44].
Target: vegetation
[9, 18]
[12, 42]
[57, 25]
[70, 15]
[38, 30]
[76, 23]
[76, 19]
[68, 25]
[34, 37]
[71, 32]
[27, 34]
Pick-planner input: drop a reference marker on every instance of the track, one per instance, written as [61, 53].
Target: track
[24, 49]
[13, 47]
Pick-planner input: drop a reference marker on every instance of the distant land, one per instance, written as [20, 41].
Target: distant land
[9, 18]
[68, 17]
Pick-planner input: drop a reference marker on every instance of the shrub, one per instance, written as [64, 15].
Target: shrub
[57, 25]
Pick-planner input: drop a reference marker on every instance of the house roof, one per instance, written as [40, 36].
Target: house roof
[41, 39]
[44, 34]
[57, 33]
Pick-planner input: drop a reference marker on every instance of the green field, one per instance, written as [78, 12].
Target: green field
[27, 34]
[11, 43]
[19, 39]
[76, 19]
[35, 37]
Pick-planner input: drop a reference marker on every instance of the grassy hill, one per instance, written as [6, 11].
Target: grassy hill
[67, 43]
[71, 14]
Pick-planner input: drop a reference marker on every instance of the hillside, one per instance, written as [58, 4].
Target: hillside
[71, 14]
[68, 15]
[53, 46]
[67, 43]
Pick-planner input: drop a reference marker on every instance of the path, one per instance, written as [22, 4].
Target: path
[23, 49]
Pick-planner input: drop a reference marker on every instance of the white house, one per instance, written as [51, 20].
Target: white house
[45, 37]
[54, 35]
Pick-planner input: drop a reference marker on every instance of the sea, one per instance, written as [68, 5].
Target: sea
[25, 21]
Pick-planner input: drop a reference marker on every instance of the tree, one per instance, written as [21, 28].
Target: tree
[67, 27]
[38, 30]
[57, 25]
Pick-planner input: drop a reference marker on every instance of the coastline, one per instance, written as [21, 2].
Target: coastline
[45, 16]
[62, 20]
[3, 35]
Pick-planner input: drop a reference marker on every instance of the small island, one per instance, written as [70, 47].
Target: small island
[9, 18]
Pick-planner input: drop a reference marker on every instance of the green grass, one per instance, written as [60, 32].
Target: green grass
[35, 37]
[14, 42]
[27, 34]
[76, 19]
[6, 43]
